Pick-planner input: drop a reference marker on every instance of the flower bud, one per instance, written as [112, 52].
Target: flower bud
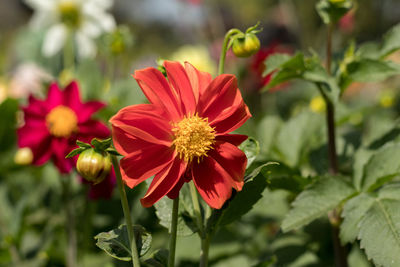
[23, 156]
[93, 166]
[246, 46]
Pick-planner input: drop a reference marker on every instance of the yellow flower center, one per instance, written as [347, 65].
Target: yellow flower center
[193, 137]
[62, 121]
[70, 13]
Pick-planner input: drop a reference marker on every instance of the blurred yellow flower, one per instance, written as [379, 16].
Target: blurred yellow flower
[197, 55]
[23, 156]
[317, 104]
[387, 99]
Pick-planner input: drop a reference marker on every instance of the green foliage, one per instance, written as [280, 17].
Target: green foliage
[186, 224]
[331, 11]
[381, 167]
[158, 259]
[251, 148]
[8, 117]
[116, 242]
[300, 67]
[317, 200]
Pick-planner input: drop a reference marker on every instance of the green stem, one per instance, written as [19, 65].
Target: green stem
[334, 217]
[196, 207]
[71, 253]
[69, 53]
[227, 38]
[174, 228]
[205, 245]
[127, 214]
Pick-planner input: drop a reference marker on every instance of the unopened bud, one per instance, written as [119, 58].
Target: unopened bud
[93, 166]
[246, 46]
[23, 156]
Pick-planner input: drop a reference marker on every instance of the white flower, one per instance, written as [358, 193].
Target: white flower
[85, 20]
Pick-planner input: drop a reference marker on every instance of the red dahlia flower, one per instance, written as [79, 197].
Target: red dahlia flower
[53, 125]
[183, 134]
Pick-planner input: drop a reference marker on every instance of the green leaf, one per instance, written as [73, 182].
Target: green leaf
[251, 148]
[244, 200]
[158, 259]
[390, 191]
[75, 152]
[371, 70]
[116, 242]
[8, 116]
[380, 232]
[274, 61]
[391, 41]
[101, 145]
[331, 12]
[353, 212]
[112, 151]
[186, 225]
[383, 165]
[295, 136]
[82, 144]
[317, 200]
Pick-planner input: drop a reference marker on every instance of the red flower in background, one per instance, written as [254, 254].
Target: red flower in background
[183, 134]
[258, 66]
[53, 125]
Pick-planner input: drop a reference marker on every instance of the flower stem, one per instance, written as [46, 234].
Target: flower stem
[69, 53]
[205, 245]
[334, 217]
[71, 253]
[196, 207]
[222, 57]
[174, 228]
[127, 214]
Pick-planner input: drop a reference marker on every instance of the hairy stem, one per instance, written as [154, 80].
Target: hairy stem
[205, 245]
[174, 228]
[127, 214]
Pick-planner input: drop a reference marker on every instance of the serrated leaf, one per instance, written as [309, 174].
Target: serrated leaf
[371, 70]
[390, 191]
[353, 212]
[116, 242]
[75, 152]
[380, 232]
[383, 165]
[274, 61]
[186, 225]
[317, 200]
[251, 148]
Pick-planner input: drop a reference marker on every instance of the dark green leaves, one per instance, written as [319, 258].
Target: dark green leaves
[251, 148]
[116, 242]
[317, 200]
[8, 110]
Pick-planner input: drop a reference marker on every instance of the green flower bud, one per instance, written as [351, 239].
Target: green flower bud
[246, 46]
[93, 166]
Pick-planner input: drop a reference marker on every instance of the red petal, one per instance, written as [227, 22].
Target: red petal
[212, 182]
[234, 139]
[142, 164]
[61, 148]
[140, 122]
[232, 160]
[32, 133]
[198, 79]
[72, 98]
[36, 108]
[92, 129]
[158, 92]
[54, 96]
[88, 109]
[226, 125]
[179, 81]
[164, 182]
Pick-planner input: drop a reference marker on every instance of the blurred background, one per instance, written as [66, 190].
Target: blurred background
[31, 224]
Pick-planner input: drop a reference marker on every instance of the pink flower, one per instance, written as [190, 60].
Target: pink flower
[53, 125]
[183, 134]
